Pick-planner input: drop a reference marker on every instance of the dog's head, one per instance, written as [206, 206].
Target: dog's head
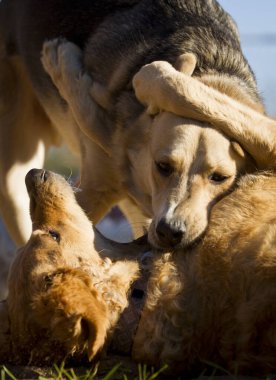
[192, 167]
[55, 212]
[52, 301]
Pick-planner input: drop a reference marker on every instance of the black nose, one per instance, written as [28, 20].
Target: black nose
[170, 234]
[36, 177]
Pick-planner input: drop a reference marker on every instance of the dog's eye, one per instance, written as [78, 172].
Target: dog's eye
[217, 177]
[55, 235]
[164, 168]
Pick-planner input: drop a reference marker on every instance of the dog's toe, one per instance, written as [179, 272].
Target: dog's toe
[70, 59]
[49, 58]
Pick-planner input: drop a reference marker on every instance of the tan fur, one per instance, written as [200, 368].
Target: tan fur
[213, 302]
[61, 291]
[161, 87]
[187, 195]
[87, 128]
[193, 150]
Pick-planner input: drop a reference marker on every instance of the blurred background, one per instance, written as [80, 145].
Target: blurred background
[256, 21]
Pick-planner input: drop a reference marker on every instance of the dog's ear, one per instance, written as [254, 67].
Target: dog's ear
[238, 149]
[186, 63]
[79, 318]
[96, 336]
[244, 155]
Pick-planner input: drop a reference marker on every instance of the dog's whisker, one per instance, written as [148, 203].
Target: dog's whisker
[70, 175]
[76, 189]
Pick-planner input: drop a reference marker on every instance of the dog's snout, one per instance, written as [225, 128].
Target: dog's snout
[170, 234]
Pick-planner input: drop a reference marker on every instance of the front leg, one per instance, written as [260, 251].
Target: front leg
[132, 251]
[87, 99]
[161, 87]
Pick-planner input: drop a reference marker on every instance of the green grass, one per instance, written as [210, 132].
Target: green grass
[62, 373]
[117, 372]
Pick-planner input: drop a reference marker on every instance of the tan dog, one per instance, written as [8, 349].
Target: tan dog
[60, 299]
[216, 302]
[212, 303]
[114, 142]
[182, 167]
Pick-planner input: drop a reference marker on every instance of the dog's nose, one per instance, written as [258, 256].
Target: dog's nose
[170, 234]
[36, 176]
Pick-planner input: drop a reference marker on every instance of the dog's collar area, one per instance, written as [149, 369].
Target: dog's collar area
[127, 325]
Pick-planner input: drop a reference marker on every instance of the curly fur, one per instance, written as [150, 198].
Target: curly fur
[212, 302]
[64, 300]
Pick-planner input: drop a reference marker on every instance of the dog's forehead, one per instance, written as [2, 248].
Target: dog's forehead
[215, 148]
[180, 136]
[187, 143]
[172, 133]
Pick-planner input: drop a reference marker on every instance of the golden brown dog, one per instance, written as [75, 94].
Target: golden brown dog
[60, 302]
[212, 303]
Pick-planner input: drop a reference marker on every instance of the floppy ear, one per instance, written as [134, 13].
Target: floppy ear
[245, 156]
[97, 324]
[160, 86]
[238, 149]
[77, 314]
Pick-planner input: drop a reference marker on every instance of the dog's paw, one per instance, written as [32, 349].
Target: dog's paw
[62, 60]
[50, 59]
[146, 84]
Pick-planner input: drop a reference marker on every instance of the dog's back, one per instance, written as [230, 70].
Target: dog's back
[122, 35]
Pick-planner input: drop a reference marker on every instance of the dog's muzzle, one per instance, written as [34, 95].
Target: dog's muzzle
[171, 233]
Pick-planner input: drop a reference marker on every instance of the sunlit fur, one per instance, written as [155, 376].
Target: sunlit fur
[212, 303]
[64, 300]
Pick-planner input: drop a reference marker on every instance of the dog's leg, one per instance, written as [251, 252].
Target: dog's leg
[87, 100]
[23, 141]
[98, 182]
[161, 87]
[62, 60]
[132, 251]
[139, 224]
